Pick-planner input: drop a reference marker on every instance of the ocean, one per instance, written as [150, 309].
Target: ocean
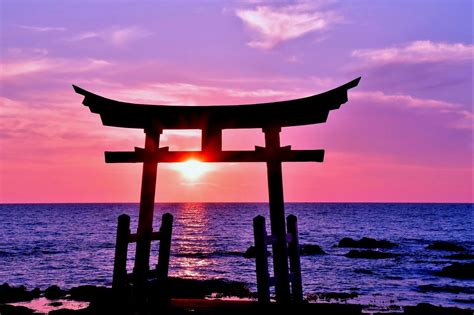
[73, 244]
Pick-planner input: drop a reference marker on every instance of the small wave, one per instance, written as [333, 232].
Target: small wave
[215, 254]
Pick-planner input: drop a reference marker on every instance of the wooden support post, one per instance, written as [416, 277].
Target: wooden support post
[277, 216]
[119, 279]
[294, 253]
[165, 248]
[147, 203]
[261, 262]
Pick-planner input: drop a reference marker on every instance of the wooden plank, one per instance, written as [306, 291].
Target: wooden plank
[259, 155]
[261, 262]
[295, 265]
[119, 279]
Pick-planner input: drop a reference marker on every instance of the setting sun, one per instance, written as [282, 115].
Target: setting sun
[192, 169]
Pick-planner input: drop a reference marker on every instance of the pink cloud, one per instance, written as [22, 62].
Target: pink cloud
[42, 29]
[27, 66]
[276, 25]
[117, 36]
[417, 52]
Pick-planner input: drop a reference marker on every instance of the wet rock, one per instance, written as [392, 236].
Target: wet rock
[369, 254]
[310, 249]
[447, 246]
[54, 292]
[327, 296]
[6, 309]
[190, 288]
[87, 292]
[458, 270]
[460, 256]
[251, 252]
[446, 288]
[365, 242]
[9, 294]
[426, 308]
[55, 304]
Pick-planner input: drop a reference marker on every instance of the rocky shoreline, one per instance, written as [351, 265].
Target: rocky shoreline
[196, 296]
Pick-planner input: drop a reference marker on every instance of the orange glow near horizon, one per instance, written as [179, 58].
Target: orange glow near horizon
[192, 169]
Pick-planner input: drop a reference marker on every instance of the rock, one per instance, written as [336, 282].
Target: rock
[87, 292]
[445, 288]
[6, 309]
[54, 292]
[426, 308]
[55, 304]
[458, 270]
[10, 294]
[365, 242]
[251, 252]
[369, 254]
[310, 249]
[447, 246]
[460, 256]
[327, 296]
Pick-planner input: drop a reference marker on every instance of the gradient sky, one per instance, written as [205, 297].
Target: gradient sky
[406, 133]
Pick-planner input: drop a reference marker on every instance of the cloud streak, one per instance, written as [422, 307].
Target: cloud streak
[42, 29]
[118, 36]
[276, 25]
[422, 51]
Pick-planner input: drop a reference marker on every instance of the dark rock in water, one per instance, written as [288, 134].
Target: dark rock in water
[87, 292]
[365, 242]
[251, 252]
[458, 270]
[364, 271]
[426, 308]
[55, 304]
[310, 249]
[10, 294]
[327, 296]
[447, 246]
[6, 309]
[369, 254]
[198, 289]
[445, 288]
[54, 292]
[460, 256]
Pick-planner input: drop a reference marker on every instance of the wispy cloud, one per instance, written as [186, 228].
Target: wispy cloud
[42, 29]
[417, 52]
[463, 119]
[30, 66]
[279, 24]
[117, 36]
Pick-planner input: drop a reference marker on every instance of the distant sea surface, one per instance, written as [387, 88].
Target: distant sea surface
[73, 244]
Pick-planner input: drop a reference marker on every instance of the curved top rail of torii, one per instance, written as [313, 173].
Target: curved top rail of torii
[303, 111]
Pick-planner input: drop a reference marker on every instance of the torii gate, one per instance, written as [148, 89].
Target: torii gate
[270, 117]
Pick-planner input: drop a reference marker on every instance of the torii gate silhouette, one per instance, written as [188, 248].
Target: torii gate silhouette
[270, 117]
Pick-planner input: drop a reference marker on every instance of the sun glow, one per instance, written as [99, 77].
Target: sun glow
[192, 169]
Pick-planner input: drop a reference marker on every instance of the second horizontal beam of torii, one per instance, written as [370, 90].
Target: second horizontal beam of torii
[261, 154]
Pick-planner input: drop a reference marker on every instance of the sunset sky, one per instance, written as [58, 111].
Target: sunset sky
[406, 133]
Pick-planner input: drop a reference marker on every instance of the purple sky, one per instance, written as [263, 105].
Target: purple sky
[406, 133]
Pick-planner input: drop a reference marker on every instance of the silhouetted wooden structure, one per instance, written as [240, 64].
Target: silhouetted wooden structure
[270, 117]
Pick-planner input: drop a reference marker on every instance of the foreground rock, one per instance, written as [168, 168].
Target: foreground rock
[6, 309]
[446, 246]
[310, 249]
[446, 288]
[365, 242]
[251, 252]
[9, 294]
[458, 270]
[426, 308]
[54, 292]
[369, 254]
